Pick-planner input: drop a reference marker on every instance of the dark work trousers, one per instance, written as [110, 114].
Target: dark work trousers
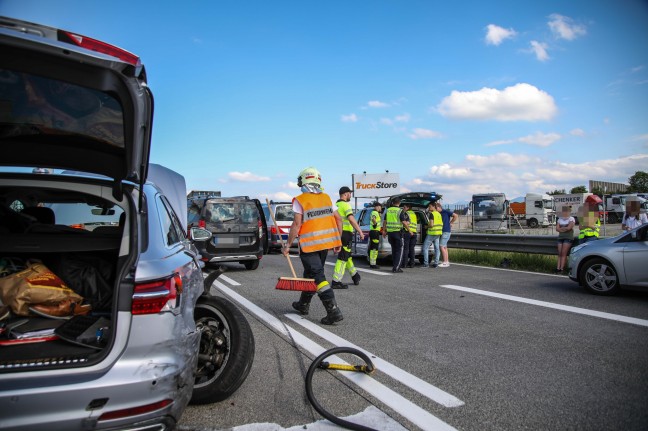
[411, 250]
[396, 242]
[406, 246]
[314, 265]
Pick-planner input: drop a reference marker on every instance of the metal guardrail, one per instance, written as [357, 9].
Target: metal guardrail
[537, 244]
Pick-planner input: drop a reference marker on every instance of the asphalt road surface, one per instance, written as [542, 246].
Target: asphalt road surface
[463, 347]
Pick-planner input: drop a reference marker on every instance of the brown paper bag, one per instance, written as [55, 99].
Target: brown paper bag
[35, 285]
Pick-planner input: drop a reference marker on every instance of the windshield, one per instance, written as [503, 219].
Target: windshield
[31, 105]
[284, 213]
[492, 203]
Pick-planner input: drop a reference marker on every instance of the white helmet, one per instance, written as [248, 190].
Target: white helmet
[309, 175]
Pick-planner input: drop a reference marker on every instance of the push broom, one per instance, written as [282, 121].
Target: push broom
[294, 283]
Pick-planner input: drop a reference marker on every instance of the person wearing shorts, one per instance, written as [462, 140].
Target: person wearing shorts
[448, 217]
[565, 228]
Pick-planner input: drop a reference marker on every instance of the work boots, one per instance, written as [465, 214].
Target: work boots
[333, 313]
[338, 285]
[304, 302]
[356, 278]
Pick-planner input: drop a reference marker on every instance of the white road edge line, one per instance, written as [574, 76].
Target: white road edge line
[419, 385]
[584, 311]
[403, 406]
[370, 271]
[229, 280]
[510, 270]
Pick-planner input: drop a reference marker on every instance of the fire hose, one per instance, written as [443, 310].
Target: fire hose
[319, 362]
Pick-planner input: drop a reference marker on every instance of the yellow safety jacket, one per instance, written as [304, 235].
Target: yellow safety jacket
[588, 231]
[392, 219]
[375, 215]
[436, 228]
[319, 230]
[412, 226]
[345, 210]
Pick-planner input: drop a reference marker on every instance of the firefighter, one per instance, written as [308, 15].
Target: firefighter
[318, 227]
[344, 260]
[395, 221]
[375, 227]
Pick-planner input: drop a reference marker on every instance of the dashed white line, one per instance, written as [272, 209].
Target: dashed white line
[370, 271]
[421, 386]
[422, 418]
[584, 311]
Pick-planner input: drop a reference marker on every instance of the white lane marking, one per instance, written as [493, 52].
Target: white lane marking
[229, 280]
[421, 386]
[370, 271]
[403, 406]
[584, 311]
[510, 270]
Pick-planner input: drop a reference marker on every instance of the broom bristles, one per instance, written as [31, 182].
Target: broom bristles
[300, 284]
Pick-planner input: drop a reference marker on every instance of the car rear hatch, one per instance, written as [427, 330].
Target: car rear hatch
[72, 102]
[235, 225]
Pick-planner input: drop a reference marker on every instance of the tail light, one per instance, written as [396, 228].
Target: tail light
[273, 230]
[201, 223]
[260, 228]
[156, 296]
[98, 46]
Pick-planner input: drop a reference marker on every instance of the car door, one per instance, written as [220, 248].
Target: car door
[635, 256]
[363, 217]
[262, 226]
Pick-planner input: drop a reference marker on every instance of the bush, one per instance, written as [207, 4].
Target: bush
[499, 259]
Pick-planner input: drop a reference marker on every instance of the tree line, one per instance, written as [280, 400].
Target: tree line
[637, 183]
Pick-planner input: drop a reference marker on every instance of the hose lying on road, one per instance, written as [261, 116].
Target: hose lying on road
[319, 363]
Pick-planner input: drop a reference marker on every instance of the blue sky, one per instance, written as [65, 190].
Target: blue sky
[456, 96]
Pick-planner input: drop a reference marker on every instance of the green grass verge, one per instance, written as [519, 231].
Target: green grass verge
[500, 259]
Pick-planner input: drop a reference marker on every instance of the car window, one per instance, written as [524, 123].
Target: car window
[173, 234]
[193, 212]
[231, 212]
[80, 215]
[284, 213]
[366, 217]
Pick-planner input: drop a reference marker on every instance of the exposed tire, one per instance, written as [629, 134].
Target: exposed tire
[532, 223]
[251, 264]
[226, 350]
[599, 277]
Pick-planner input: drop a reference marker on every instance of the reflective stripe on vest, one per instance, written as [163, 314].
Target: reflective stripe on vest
[588, 231]
[392, 219]
[345, 210]
[319, 229]
[412, 225]
[437, 224]
[375, 214]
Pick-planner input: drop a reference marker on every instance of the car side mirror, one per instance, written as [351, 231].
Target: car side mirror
[199, 234]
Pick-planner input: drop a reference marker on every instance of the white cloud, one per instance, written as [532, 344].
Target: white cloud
[521, 102]
[577, 132]
[424, 134]
[637, 69]
[290, 185]
[278, 196]
[351, 118]
[503, 142]
[495, 34]
[377, 104]
[563, 27]
[387, 121]
[518, 174]
[402, 118]
[540, 139]
[540, 50]
[246, 177]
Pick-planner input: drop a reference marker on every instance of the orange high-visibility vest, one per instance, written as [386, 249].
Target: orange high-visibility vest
[319, 230]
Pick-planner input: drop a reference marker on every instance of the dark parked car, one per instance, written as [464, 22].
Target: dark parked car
[78, 197]
[238, 227]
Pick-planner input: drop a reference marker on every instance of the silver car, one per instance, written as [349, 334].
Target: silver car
[78, 196]
[604, 266]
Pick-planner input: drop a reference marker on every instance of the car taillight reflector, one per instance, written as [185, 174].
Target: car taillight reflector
[153, 297]
[201, 224]
[98, 46]
[273, 230]
[260, 228]
[134, 411]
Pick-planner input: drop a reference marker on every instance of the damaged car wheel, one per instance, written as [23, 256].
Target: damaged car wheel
[226, 350]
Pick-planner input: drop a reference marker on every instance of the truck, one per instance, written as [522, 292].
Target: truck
[489, 211]
[615, 206]
[576, 201]
[536, 210]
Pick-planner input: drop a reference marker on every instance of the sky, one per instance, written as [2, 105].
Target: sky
[458, 97]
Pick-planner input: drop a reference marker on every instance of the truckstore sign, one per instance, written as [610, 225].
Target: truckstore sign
[375, 185]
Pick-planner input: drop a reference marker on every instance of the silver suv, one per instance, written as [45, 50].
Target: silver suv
[78, 196]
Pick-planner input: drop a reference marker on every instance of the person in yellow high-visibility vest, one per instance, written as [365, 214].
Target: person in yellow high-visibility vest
[344, 260]
[589, 223]
[375, 227]
[318, 226]
[396, 220]
[434, 231]
[409, 255]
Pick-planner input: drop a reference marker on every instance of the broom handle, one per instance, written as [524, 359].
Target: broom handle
[280, 237]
